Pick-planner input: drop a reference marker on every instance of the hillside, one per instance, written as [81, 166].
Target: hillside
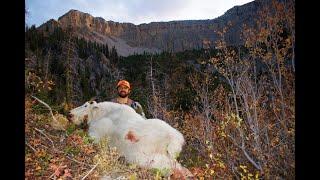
[234, 104]
[69, 154]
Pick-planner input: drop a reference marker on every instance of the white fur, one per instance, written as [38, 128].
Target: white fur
[157, 142]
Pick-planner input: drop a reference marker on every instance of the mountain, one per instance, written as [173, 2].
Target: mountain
[157, 36]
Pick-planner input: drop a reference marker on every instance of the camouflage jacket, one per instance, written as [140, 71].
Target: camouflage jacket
[134, 104]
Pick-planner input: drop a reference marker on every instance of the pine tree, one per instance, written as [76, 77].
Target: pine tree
[70, 50]
[114, 55]
[106, 50]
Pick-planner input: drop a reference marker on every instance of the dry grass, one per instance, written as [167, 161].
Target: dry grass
[71, 154]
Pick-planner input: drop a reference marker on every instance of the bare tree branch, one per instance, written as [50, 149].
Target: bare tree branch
[251, 160]
[31, 147]
[89, 171]
[46, 106]
[79, 161]
[41, 131]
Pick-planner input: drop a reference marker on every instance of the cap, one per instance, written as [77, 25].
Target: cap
[123, 82]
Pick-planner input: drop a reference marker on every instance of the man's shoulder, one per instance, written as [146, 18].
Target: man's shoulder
[116, 100]
[134, 104]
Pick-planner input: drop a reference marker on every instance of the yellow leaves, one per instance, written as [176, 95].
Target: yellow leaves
[28, 158]
[242, 176]
[263, 34]
[244, 168]
[257, 176]
[134, 177]
[212, 172]
[274, 141]
[268, 56]
[246, 174]
[208, 145]
[288, 41]
[132, 166]
[40, 153]
[38, 168]
[50, 82]
[223, 134]
[291, 131]
[234, 118]
[221, 164]
[207, 142]
[36, 84]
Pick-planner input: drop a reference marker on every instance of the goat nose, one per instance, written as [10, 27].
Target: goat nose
[69, 116]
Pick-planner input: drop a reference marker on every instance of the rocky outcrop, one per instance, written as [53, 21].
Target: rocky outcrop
[157, 36]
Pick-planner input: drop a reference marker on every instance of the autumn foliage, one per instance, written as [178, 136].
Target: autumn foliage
[242, 122]
[235, 106]
[245, 127]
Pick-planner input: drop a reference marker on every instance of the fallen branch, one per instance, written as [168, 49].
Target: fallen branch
[51, 176]
[40, 131]
[79, 161]
[233, 171]
[242, 147]
[31, 147]
[44, 146]
[68, 156]
[251, 160]
[46, 106]
[90, 171]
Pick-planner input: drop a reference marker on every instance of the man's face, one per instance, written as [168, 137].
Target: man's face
[123, 91]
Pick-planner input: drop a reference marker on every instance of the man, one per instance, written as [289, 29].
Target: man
[124, 89]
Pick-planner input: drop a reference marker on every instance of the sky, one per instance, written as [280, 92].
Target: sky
[132, 11]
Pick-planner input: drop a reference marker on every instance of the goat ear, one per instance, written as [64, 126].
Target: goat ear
[94, 104]
[95, 98]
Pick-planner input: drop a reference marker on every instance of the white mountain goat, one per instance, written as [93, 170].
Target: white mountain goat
[150, 143]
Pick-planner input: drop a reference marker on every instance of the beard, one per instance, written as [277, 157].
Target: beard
[123, 94]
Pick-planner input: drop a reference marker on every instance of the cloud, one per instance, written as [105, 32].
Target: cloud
[134, 11]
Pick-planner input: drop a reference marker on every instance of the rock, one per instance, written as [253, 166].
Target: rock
[157, 36]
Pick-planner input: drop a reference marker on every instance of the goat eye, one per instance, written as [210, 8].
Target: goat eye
[85, 106]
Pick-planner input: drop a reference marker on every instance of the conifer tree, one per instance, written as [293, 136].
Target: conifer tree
[70, 51]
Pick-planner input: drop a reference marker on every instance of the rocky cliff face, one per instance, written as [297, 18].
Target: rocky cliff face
[157, 36]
